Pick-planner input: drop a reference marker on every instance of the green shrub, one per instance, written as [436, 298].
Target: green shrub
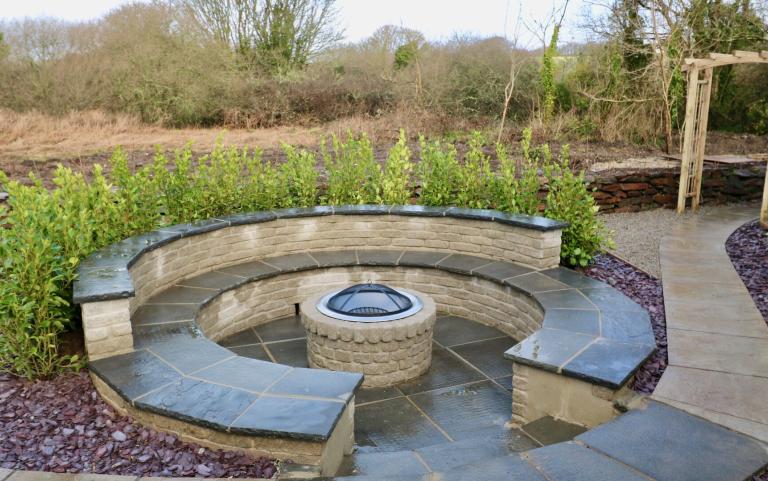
[475, 177]
[569, 200]
[529, 183]
[263, 188]
[396, 179]
[139, 192]
[181, 202]
[438, 173]
[354, 176]
[507, 185]
[46, 235]
[518, 192]
[48, 232]
[299, 177]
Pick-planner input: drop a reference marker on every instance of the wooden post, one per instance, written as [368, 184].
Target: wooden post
[764, 208]
[701, 142]
[688, 141]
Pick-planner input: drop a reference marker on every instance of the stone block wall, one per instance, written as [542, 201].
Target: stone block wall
[386, 353]
[107, 328]
[187, 257]
[492, 304]
[325, 455]
[632, 190]
[539, 393]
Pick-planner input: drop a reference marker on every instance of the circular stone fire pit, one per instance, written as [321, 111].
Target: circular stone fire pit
[382, 332]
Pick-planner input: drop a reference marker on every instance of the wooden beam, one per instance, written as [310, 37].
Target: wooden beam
[745, 54]
[705, 63]
[722, 59]
[690, 124]
[701, 142]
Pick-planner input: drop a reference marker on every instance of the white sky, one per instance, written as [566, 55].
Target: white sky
[437, 19]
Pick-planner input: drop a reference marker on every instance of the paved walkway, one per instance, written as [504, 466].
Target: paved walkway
[718, 340]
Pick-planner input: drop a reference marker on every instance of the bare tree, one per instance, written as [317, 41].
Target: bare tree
[276, 34]
[517, 59]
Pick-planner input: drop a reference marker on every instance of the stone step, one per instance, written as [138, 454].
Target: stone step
[668, 444]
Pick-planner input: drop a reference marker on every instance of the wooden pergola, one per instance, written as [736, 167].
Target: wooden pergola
[696, 116]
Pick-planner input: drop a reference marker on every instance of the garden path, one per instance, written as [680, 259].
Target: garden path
[717, 338]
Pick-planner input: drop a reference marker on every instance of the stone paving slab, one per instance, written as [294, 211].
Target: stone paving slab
[574, 462]
[745, 395]
[717, 338]
[506, 468]
[723, 353]
[671, 445]
[705, 317]
[750, 428]
[548, 430]
[395, 463]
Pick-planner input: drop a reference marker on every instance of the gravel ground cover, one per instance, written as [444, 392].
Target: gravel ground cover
[646, 291]
[748, 250]
[638, 234]
[62, 425]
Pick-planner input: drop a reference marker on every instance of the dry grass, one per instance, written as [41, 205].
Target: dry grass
[40, 137]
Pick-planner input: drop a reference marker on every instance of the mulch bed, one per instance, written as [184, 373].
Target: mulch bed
[62, 425]
[646, 291]
[748, 250]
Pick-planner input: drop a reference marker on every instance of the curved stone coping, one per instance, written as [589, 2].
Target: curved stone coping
[105, 275]
[590, 331]
[183, 375]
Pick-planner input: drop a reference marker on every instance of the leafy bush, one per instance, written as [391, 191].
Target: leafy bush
[568, 199]
[475, 176]
[354, 176]
[438, 173]
[518, 193]
[395, 182]
[48, 232]
[529, 183]
[299, 176]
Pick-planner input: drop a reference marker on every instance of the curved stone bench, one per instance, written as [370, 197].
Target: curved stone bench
[154, 304]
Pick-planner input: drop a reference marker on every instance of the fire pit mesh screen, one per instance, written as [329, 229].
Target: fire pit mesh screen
[369, 300]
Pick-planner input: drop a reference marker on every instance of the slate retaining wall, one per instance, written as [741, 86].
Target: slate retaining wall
[633, 190]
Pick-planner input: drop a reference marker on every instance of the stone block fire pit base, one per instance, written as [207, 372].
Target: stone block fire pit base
[386, 352]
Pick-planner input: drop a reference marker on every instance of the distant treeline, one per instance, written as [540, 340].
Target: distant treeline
[196, 62]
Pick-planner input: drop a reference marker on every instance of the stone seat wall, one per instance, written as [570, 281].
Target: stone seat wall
[153, 304]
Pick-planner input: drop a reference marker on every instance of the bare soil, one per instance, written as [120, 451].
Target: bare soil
[36, 144]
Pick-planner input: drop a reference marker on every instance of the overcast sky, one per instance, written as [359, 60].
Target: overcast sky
[437, 19]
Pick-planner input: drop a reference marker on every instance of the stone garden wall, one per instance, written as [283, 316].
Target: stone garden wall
[255, 303]
[632, 190]
[191, 256]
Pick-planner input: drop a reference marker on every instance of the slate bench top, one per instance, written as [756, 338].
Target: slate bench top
[590, 331]
[104, 274]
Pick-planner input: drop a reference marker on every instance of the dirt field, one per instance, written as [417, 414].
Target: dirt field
[35, 143]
